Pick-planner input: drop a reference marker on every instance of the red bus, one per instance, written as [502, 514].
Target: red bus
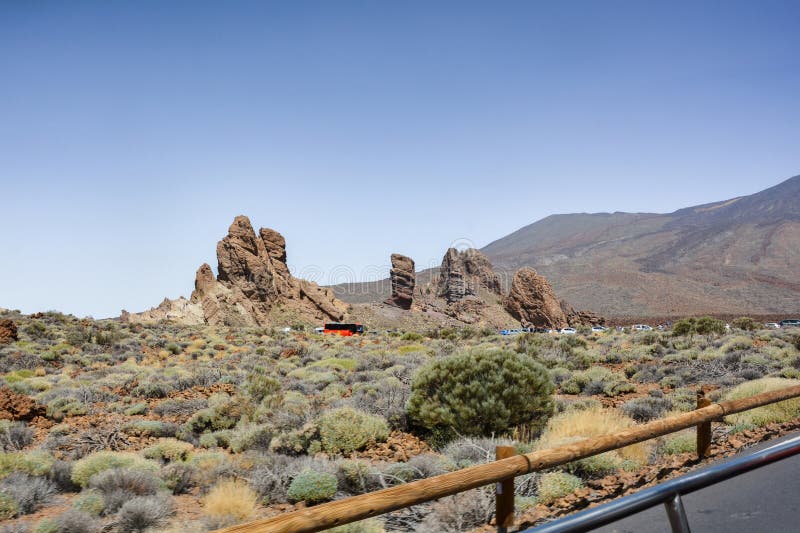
[344, 330]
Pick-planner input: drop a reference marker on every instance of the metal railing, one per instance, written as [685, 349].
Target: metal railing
[669, 493]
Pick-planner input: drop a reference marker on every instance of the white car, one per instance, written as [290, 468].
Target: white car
[319, 329]
[598, 329]
[568, 331]
[772, 325]
[641, 327]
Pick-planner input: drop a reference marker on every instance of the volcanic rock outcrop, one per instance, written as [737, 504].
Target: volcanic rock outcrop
[463, 273]
[8, 331]
[581, 318]
[533, 302]
[253, 281]
[403, 279]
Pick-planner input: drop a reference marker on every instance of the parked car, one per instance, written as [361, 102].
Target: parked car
[319, 329]
[641, 327]
[568, 331]
[772, 325]
[790, 323]
[598, 329]
[510, 332]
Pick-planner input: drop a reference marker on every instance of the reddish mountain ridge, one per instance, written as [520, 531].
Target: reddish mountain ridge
[740, 255]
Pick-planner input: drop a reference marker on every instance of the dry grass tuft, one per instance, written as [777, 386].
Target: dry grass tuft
[575, 425]
[776, 412]
[230, 498]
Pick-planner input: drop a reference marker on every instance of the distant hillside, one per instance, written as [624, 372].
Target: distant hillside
[736, 256]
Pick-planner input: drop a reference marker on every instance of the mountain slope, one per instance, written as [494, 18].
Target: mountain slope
[736, 256]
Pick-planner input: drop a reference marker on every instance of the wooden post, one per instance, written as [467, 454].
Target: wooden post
[504, 510]
[703, 428]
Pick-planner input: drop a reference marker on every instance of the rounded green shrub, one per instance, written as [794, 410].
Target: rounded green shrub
[554, 485]
[481, 392]
[346, 430]
[84, 469]
[312, 487]
[90, 502]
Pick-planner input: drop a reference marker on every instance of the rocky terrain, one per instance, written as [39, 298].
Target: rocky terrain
[734, 256]
[126, 426]
[253, 287]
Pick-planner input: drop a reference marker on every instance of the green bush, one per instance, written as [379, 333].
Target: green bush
[481, 392]
[312, 487]
[346, 430]
[168, 450]
[90, 502]
[84, 469]
[35, 463]
[554, 485]
[746, 323]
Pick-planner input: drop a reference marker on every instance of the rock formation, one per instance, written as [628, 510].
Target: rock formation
[253, 281]
[533, 302]
[403, 278]
[8, 331]
[581, 318]
[463, 273]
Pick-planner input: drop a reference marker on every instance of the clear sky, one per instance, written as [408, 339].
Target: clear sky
[131, 133]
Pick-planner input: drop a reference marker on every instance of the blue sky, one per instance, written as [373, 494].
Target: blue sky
[131, 133]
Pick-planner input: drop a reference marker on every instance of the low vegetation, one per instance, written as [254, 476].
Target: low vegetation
[130, 428]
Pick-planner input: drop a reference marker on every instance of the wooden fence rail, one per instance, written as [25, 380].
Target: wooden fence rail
[356, 508]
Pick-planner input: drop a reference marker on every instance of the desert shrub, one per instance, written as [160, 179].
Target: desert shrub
[554, 485]
[572, 425]
[90, 502]
[460, 512]
[707, 325]
[354, 475]
[685, 327]
[169, 450]
[646, 408]
[260, 385]
[345, 430]
[150, 428]
[118, 485]
[776, 412]
[179, 477]
[597, 380]
[467, 451]
[35, 463]
[745, 323]
[84, 469]
[480, 392]
[28, 492]
[143, 512]
[312, 487]
[411, 336]
[61, 475]
[15, 436]
[251, 437]
[73, 521]
[680, 443]
[296, 441]
[136, 409]
[61, 407]
[230, 500]
[8, 506]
